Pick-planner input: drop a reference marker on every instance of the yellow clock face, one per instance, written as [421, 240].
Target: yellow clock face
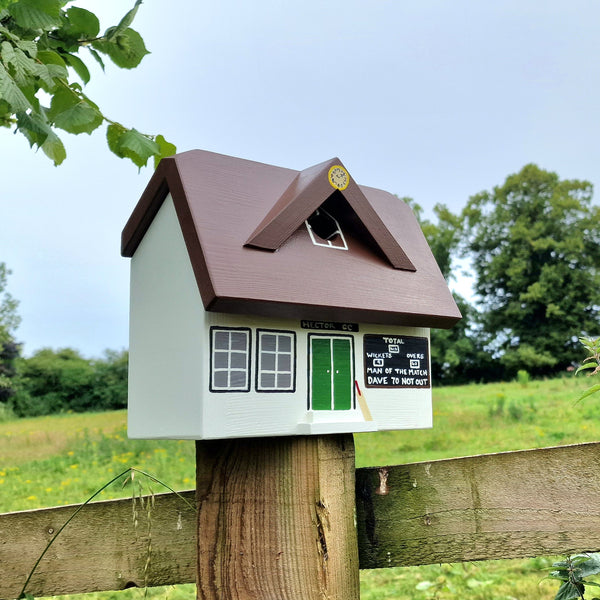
[338, 177]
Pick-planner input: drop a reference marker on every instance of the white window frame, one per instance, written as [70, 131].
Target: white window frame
[230, 352]
[260, 352]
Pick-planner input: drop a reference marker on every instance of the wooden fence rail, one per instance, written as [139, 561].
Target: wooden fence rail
[507, 505]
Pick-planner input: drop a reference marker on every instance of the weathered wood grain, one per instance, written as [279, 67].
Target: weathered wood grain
[507, 505]
[101, 549]
[276, 518]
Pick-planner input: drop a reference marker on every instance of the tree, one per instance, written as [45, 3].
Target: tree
[54, 381]
[110, 387]
[9, 349]
[40, 42]
[443, 237]
[457, 354]
[535, 247]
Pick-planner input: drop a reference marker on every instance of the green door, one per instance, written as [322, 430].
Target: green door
[331, 384]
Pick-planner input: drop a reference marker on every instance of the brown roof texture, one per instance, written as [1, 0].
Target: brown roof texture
[243, 223]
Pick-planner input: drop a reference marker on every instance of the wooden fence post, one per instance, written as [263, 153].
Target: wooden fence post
[276, 519]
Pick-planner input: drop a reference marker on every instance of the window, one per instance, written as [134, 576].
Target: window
[325, 231]
[230, 360]
[276, 360]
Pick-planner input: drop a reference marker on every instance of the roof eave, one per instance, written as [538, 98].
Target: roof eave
[147, 207]
[295, 311]
[167, 180]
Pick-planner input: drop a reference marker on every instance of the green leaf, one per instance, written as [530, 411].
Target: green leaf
[54, 149]
[38, 132]
[78, 66]
[7, 51]
[569, 591]
[49, 76]
[23, 68]
[52, 69]
[592, 344]
[33, 127]
[6, 115]
[62, 100]
[83, 23]
[589, 365]
[124, 23]
[589, 392]
[138, 147]
[165, 149]
[36, 14]
[49, 57]
[130, 143]
[114, 133]
[74, 113]
[7, 33]
[126, 50]
[29, 91]
[28, 46]
[10, 92]
[97, 57]
[589, 566]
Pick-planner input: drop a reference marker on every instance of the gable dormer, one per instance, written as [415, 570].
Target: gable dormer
[322, 195]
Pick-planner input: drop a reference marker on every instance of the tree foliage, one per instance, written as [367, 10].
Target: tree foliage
[457, 354]
[535, 246]
[443, 236]
[110, 373]
[54, 381]
[9, 349]
[40, 43]
[9, 318]
[590, 363]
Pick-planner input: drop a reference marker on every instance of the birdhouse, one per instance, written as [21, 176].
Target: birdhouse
[267, 301]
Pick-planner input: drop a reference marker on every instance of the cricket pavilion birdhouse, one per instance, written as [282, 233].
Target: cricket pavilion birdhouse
[267, 301]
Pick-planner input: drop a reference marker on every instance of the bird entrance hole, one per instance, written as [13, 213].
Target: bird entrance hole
[325, 231]
[323, 225]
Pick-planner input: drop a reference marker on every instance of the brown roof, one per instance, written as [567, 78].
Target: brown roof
[243, 224]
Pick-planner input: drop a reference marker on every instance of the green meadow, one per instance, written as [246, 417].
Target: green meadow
[63, 459]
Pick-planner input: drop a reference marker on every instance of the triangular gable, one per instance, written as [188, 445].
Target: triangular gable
[307, 192]
[167, 180]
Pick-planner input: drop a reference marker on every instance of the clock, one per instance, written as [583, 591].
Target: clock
[338, 177]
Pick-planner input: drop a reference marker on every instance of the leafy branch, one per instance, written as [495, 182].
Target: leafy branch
[590, 363]
[574, 569]
[39, 49]
[573, 572]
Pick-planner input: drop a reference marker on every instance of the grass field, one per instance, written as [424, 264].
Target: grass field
[63, 459]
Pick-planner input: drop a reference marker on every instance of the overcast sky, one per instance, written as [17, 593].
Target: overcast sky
[431, 99]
